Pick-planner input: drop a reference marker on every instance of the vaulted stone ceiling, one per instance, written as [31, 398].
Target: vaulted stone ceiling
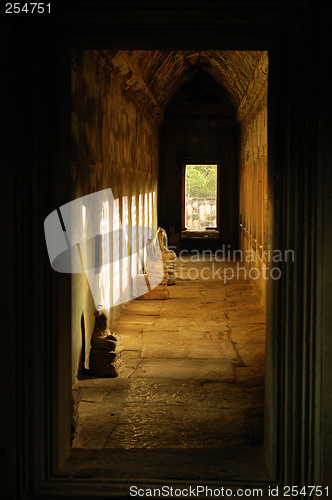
[155, 75]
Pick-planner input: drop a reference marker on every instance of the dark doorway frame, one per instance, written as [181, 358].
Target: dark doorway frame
[297, 348]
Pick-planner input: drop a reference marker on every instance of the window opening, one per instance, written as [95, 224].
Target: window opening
[201, 183]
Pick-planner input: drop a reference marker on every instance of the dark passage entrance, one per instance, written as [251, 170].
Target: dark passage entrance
[200, 127]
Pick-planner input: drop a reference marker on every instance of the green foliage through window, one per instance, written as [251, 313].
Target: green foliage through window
[201, 181]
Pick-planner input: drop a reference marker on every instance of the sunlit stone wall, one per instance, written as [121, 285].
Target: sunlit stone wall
[254, 189]
[114, 145]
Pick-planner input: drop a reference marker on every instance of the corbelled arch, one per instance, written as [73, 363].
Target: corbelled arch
[153, 76]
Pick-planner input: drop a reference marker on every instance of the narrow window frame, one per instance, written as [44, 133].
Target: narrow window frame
[199, 161]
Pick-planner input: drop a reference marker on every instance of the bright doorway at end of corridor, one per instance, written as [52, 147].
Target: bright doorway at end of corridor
[201, 186]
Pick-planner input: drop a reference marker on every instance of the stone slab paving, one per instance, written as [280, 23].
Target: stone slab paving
[194, 369]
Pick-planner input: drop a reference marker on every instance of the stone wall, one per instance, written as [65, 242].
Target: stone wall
[254, 192]
[114, 145]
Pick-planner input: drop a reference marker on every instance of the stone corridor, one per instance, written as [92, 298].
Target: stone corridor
[121, 96]
[194, 368]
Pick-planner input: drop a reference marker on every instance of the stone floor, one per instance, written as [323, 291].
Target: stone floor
[194, 369]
